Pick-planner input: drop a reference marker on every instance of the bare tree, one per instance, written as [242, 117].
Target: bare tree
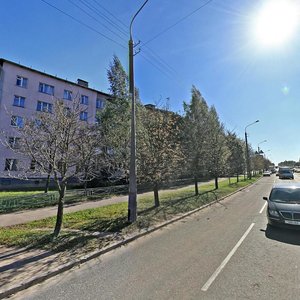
[61, 145]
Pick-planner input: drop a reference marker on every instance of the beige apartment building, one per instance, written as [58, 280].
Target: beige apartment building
[25, 91]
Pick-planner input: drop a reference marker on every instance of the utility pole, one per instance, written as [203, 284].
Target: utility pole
[132, 198]
[247, 151]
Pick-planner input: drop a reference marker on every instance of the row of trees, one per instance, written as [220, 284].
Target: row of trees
[169, 145]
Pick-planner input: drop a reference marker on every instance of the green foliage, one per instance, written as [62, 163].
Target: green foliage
[196, 134]
[78, 227]
[235, 163]
[159, 149]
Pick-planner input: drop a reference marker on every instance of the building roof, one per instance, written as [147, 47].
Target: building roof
[2, 60]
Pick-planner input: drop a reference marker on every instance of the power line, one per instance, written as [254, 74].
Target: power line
[95, 19]
[91, 16]
[179, 21]
[99, 13]
[84, 24]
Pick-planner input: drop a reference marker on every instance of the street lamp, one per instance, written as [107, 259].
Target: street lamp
[258, 150]
[132, 203]
[247, 150]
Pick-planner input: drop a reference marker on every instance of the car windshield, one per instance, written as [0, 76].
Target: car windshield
[287, 195]
[285, 171]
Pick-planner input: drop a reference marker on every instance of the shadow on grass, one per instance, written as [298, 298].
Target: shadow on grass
[107, 225]
[182, 205]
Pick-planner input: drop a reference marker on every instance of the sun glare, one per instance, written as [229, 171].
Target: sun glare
[276, 22]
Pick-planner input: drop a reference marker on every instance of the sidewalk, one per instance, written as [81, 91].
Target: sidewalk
[41, 213]
[22, 268]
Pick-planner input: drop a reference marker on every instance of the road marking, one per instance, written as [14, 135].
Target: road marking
[262, 209]
[226, 260]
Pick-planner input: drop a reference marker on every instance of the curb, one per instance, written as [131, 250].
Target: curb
[38, 279]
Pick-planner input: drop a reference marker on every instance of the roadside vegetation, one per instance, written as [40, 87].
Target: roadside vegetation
[92, 229]
[170, 146]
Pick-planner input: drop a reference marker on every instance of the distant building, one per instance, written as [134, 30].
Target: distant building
[23, 92]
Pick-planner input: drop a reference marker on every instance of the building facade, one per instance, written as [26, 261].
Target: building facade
[24, 92]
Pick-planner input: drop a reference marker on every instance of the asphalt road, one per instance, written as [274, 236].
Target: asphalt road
[222, 252]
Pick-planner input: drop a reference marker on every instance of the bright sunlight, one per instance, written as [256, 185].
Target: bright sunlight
[276, 22]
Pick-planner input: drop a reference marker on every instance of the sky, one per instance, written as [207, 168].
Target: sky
[242, 62]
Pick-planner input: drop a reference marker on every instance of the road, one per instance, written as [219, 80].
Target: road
[223, 252]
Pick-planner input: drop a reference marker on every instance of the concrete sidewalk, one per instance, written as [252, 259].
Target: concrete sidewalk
[21, 268]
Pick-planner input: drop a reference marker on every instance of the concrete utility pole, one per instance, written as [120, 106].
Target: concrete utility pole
[132, 203]
[247, 151]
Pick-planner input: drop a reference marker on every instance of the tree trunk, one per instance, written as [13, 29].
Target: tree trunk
[237, 178]
[216, 183]
[85, 188]
[47, 184]
[196, 186]
[156, 197]
[229, 180]
[60, 210]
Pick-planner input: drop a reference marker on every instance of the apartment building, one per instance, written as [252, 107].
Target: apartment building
[25, 91]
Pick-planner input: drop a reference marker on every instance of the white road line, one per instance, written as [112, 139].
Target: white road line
[226, 260]
[262, 209]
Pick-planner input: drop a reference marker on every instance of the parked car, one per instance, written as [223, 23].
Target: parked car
[267, 173]
[285, 173]
[283, 205]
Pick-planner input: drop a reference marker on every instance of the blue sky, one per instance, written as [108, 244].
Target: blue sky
[214, 48]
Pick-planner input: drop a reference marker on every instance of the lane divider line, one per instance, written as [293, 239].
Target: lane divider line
[262, 209]
[226, 260]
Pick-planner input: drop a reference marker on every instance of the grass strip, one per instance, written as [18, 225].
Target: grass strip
[83, 228]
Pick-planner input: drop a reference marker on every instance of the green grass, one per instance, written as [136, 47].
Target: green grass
[79, 227]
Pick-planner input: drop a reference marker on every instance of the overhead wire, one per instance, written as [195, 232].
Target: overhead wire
[95, 19]
[176, 23]
[84, 24]
[99, 13]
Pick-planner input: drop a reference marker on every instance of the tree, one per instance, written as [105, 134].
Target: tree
[195, 135]
[159, 150]
[217, 151]
[60, 140]
[115, 119]
[235, 160]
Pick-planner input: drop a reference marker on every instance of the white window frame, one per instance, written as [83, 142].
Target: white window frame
[84, 99]
[11, 164]
[44, 106]
[67, 95]
[19, 101]
[14, 142]
[46, 88]
[100, 103]
[17, 121]
[83, 116]
[21, 81]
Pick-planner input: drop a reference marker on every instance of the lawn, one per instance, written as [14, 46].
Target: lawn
[83, 228]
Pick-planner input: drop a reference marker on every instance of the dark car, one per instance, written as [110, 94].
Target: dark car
[285, 173]
[284, 205]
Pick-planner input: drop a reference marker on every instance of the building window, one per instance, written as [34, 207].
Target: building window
[19, 101]
[32, 165]
[44, 106]
[97, 120]
[83, 116]
[11, 164]
[14, 142]
[84, 100]
[17, 121]
[21, 81]
[46, 88]
[67, 95]
[99, 103]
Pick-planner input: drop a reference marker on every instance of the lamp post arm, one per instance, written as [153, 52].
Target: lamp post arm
[133, 18]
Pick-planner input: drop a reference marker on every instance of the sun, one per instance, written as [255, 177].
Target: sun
[276, 22]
